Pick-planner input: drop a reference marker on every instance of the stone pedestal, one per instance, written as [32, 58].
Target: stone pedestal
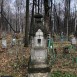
[38, 75]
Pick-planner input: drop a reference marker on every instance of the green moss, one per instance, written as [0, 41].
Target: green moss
[60, 74]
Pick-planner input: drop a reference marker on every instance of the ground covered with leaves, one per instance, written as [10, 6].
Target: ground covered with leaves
[14, 59]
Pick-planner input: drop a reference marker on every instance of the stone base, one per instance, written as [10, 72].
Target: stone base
[38, 65]
[41, 70]
[39, 75]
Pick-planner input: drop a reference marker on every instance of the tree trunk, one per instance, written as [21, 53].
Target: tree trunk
[1, 14]
[38, 6]
[67, 15]
[27, 24]
[32, 23]
[46, 19]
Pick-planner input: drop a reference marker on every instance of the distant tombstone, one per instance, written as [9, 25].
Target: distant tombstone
[13, 42]
[20, 30]
[73, 41]
[62, 37]
[3, 35]
[4, 43]
[19, 42]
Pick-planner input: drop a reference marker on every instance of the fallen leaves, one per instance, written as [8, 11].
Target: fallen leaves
[9, 55]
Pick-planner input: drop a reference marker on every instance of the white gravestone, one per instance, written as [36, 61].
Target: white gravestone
[4, 43]
[73, 41]
[38, 51]
[13, 42]
[39, 39]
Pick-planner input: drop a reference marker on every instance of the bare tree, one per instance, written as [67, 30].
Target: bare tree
[31, 32]
[46, 16]
[67, 15]
[27, 25]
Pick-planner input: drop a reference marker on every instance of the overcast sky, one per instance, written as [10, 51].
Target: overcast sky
[73, 3]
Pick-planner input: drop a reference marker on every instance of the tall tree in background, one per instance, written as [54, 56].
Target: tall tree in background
[60, 15]
[17, 15]
[27, 24]
[46, 16]
[59, 21]
[67, 15]
[51, 21]
[31, 32]
[1, 13]
[4, 21]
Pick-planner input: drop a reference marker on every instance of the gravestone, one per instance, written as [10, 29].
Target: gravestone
[39, 39]
[19, 42]
[74, 42]
[39, 52]
[62, 37]
[4, 42]
[38, 65]
[13, 42]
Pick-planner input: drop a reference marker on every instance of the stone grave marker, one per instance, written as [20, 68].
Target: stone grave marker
[62, 37]
[13, 42]
[4, 41]
[38, 65]
[74, 42]
[19, 42]
[39, 53]
[38, 62]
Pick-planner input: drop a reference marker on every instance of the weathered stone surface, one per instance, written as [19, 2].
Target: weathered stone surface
[38, 65]
[38, 55]
[38, 51]
[38, 75]
[4, 43]
[38, 40]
